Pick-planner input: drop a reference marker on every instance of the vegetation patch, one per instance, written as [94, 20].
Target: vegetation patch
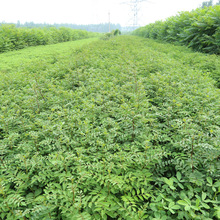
[199, 29]
[20, 59]
[120, 129]
[113, 33]
[12, 38]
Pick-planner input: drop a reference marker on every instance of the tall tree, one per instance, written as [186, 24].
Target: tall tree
[207, 4]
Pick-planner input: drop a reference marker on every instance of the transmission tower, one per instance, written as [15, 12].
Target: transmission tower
[135, 9]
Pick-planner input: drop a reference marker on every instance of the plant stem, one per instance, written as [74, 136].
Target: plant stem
[133, 127]
[37, 86]
[2, 162]
[192, 151]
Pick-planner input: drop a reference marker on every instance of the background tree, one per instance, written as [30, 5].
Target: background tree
[207, 4]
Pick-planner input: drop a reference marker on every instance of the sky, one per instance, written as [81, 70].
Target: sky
[91, 11]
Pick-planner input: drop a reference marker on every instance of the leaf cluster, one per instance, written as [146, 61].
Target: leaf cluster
[119, 129]
[111, 34]
[198, 29]
[12, 38]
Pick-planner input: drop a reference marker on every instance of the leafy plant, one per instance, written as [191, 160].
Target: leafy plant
[12, 38]
[198, 29]
[117, 129]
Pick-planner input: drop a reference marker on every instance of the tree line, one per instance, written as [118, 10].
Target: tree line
[100, 28]
[209, 3]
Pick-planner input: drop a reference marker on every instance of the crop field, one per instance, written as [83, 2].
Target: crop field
[125, 128]
[30, 55]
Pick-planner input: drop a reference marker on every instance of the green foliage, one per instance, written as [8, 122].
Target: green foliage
[98, 28]
[198, 29]
[21, 58]
[114, 33]
[120, 129]
[12, 38]
[207, 4]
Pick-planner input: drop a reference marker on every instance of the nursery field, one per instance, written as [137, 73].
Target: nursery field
[125, 128]
[30, 55]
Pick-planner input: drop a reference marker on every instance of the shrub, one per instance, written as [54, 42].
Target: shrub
[198, 29]
[12, 38]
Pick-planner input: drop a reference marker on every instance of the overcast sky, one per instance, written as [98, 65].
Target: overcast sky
[90, 11]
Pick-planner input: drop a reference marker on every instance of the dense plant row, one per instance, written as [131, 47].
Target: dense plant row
[12, 38]
[100, 28]
[199, 29]
[120, 129]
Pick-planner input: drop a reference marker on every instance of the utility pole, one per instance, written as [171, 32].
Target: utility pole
[109, 21]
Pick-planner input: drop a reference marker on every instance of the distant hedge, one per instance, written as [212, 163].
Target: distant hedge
[198, 29]
[12, 38]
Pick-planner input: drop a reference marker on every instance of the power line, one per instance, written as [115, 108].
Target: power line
[135, 6]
